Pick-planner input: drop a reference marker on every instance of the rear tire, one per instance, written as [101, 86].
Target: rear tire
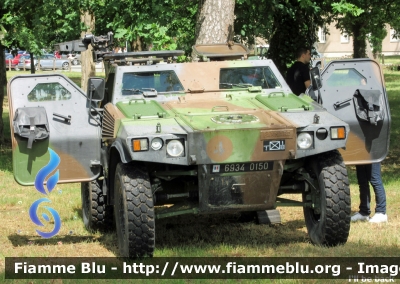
[96, 214]
[331, 224]
[134, 212]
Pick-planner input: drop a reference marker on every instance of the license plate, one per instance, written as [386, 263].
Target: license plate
[242, 167]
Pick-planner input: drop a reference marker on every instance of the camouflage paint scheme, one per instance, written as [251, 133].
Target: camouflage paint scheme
[193, 117]
[217, 127]
[155, 140]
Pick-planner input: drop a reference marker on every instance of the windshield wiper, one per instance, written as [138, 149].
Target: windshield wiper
[133, 90]
[240, 85]
[147, 92]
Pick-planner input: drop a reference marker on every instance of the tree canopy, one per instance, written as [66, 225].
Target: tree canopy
[366, 19]
[52, 21]
[171, 24]
[287, 25]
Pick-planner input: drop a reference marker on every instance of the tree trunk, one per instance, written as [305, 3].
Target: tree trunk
[33, 70]
[3, 88]
[137, 44]
[88, 66]
[215, 22]
[359, 42]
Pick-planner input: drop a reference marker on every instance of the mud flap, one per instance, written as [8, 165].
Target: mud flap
[269, 217]
[31, 123]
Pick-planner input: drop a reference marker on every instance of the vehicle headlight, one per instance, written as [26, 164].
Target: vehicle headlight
[156, 143]
[304, 140]
[175, 148]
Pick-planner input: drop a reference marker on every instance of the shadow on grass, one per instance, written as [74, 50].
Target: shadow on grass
[207, 230]
[202, 235]
[193, 232]
[184, 231]
[24, 240]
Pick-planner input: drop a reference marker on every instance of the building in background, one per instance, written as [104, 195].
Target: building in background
[338, 44]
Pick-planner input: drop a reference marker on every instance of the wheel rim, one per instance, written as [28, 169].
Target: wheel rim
[65, 65]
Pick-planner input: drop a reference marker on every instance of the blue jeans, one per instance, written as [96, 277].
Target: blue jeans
[371, 174]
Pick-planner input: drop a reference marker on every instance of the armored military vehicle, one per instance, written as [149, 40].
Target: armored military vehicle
[156, 138]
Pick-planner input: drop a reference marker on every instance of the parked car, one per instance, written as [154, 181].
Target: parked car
[8, 57]
[47, 61]
[24, 60]
[14, 61]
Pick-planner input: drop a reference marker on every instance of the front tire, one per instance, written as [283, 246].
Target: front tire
[330, 223]
[134, 212]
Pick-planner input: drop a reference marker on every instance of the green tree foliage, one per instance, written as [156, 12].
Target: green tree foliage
[286, 24]
[35, 25]
[363, 18]
[149, 24]
[375, 39]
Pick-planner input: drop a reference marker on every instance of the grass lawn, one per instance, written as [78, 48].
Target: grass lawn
[196, 236]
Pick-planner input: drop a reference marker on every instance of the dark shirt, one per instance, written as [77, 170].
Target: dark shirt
[296, 75]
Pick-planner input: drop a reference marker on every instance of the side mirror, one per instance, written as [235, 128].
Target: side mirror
[315, 77]
[96, 88]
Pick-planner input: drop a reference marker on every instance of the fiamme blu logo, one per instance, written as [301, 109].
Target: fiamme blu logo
[50, 185]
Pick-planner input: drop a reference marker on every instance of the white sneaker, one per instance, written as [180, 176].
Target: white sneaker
[359, 217]
[378, 218]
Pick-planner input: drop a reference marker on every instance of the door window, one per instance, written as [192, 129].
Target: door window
[346, 78]
[49, 92]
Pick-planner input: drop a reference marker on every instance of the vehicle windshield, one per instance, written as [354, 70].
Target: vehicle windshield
[246, 77]
[161, 81]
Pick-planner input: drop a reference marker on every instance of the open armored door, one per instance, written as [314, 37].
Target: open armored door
[51, 112]
[367, 112]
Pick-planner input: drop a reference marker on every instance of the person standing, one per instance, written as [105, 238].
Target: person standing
[298, 75]
[367, 174]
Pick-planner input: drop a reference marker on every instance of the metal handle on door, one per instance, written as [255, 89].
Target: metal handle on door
[66, 118]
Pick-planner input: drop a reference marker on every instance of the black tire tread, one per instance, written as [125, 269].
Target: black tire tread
[337, 197]
[338, 200]
[141, 219]
[100, 215]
